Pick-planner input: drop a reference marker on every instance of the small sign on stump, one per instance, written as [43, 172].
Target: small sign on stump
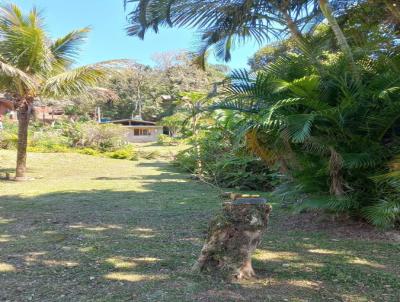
[233, 236]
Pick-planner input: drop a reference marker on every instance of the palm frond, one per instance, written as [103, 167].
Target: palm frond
[220, 22]
[331, 203]
[11, 14]
[24, 42]
[299, 126]
[383, 214]
[65, 49]
[17, 77]
[74, 82]
[306, 86]
[360, 160]
[268, 156]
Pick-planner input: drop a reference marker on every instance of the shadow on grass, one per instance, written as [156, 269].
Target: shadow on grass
[105, 245]
[6, 170]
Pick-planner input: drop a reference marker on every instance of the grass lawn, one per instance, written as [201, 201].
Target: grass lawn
[98, 229]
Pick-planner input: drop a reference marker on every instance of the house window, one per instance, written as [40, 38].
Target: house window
[141, 132]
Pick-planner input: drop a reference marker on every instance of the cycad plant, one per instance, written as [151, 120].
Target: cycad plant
[334, 134]
[33, 66]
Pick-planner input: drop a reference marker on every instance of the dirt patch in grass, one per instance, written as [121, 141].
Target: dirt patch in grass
[336, 226]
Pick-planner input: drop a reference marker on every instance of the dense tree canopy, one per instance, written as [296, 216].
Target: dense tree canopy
[157, 88]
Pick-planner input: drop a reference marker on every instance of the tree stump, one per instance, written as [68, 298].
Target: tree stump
[233, 236]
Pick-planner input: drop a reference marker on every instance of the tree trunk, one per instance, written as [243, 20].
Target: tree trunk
[197, 147]
[295, 32]
[23, 122]
[233, 237]
[299, 39]
[335, 171]
[341, 39]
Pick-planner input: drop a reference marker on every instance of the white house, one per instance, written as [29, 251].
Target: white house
[140, 131]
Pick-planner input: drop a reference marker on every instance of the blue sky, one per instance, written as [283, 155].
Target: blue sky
[108, 39]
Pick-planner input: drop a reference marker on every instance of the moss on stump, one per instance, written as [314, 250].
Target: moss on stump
[233, 236]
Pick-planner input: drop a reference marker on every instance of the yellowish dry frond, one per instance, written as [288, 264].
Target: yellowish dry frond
[253, 144]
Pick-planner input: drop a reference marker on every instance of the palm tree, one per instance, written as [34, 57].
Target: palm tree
[33, 66]
[223, 23]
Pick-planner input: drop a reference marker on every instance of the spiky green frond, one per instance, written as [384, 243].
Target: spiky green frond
[247, 92]
[384, 213]
[361, 160]
[66, 49]
[299, 126]
[73, 82]
[12, 15]
[306, 86]
[24, 42]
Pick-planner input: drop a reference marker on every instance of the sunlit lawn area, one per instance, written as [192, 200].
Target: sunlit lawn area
[98, 229]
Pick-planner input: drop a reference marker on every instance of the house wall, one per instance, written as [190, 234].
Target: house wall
[153, 137]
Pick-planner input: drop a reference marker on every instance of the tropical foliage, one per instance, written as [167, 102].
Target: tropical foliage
[333, 130]
[321, 106]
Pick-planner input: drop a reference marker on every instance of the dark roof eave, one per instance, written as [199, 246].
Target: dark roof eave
[130, 120]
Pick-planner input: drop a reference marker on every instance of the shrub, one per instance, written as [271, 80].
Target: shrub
[86, 138]
[226, 165]
[48, 140]
[124, 153]
[103, 137]
[333, 130]
[8, 140]
[49, 149]
[89, 151]
[9, 135]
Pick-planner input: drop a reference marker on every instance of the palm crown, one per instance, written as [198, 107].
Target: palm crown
[222, 24]
[32, 66]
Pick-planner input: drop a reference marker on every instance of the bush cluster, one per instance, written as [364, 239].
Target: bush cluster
[85, 137]
[225, 166]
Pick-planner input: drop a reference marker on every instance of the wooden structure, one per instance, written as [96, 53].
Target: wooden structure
[140, 131]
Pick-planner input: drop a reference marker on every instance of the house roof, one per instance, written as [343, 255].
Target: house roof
[143, 126]
[132, 122]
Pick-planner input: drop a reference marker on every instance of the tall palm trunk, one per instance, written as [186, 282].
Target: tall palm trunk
[341, 39]
[294, 31]
[298, 37]
[23, 122]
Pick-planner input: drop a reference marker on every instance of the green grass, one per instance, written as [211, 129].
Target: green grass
[97, 229]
